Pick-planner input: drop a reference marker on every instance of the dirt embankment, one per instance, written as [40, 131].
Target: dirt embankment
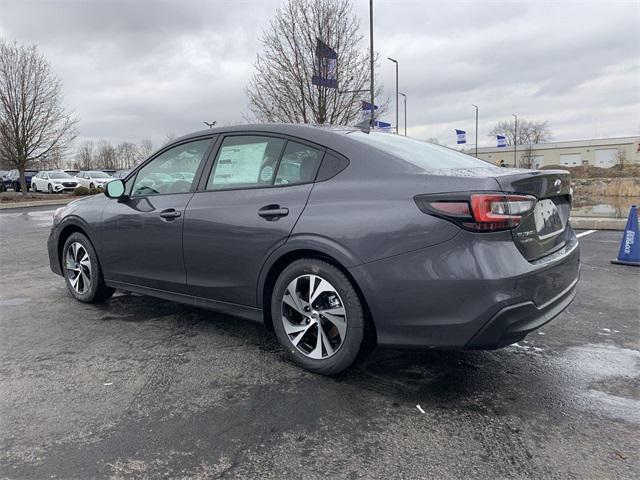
[588, 181]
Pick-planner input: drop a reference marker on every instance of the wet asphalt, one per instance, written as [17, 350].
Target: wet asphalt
[143, 388]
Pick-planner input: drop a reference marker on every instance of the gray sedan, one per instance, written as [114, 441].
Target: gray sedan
[336, 239]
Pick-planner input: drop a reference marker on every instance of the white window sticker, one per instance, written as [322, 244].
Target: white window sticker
[239, 163]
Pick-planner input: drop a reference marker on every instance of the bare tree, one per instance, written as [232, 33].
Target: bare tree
[128, 155]
[528, 132]
[33, 120]
[281, 89]
[106, 156]
[85, 157]
[145, 150]
[621, 157]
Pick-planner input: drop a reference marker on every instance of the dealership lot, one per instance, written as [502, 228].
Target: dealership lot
[147, 388]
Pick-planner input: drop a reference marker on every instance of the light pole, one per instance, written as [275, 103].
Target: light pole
[476, 129]
[404, 96]
[396, 62]
[515, 142]
[371, 61]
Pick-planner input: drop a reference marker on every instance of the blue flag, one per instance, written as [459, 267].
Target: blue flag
[502, 142]
[326, 66]
[367, 106]
[462, 136]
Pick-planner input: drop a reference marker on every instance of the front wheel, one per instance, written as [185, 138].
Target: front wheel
[82, 271]
[92, 187]
[317, 316]
[34, 188]
[50, 188]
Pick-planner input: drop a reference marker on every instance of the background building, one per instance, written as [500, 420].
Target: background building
[602, 152]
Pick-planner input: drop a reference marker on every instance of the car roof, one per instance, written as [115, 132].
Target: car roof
[330, 136]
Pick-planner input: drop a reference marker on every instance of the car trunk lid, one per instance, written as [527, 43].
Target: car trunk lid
[545, 230]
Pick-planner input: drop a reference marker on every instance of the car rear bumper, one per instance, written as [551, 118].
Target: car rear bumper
[473, 291]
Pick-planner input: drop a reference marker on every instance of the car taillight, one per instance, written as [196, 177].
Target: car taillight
[480, 212]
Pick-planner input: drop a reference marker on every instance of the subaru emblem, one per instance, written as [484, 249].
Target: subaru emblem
[558, 185]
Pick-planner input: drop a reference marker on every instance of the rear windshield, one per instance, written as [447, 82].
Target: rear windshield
[422, 154]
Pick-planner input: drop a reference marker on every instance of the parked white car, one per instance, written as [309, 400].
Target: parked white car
[93, 179]
[53, 181]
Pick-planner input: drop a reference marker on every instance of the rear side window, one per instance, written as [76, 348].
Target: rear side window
[299, 164]
[421, 154]
[246, 161]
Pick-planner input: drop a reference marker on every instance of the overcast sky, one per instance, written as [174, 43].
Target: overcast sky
[142, 69]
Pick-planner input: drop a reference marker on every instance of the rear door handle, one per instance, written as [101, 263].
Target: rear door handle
[170, 213]
[273, 212]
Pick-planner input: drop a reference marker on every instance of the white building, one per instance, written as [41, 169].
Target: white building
[602, 152]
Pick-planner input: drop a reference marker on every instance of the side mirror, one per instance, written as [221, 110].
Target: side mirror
[114, 189]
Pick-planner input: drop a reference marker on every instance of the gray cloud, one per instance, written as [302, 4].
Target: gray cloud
[142, 69]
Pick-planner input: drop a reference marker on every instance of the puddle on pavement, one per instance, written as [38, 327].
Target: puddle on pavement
[12, 302]
[597, 370]
[603, 206]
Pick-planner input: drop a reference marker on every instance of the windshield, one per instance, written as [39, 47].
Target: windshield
[59, 175]
[99, 175]
[422, 154]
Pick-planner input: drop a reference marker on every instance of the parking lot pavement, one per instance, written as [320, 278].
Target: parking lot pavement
[140, 387]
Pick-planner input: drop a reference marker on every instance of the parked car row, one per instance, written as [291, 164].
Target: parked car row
[58, 181]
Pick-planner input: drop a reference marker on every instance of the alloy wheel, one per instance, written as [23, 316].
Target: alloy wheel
[78, 267]
[314, 316]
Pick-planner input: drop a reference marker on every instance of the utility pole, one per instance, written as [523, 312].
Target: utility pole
[404, 96]
[396, 62]
[515, 142]
[476, 129]
[372, 62]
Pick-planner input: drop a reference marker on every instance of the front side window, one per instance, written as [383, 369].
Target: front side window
[172, 171]
[246, 161]
[299, 164]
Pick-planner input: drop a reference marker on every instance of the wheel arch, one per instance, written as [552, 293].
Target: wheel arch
[278, 265]
[66, 231]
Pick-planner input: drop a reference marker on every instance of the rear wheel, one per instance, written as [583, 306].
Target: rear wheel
[317, 316]
[82, 271]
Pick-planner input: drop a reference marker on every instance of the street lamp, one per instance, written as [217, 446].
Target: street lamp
[396, 62]
[515, 142]
[404, 96]
[371, 61]
[476, 129]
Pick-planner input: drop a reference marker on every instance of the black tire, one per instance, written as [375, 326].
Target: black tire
[34, 188]
[97, 291]
[348, 351]
[92, 186]
[50, 188]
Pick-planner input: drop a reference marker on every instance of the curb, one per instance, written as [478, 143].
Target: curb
[35, 203]
[598, 223]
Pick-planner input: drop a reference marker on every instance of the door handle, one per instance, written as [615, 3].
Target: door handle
[273, 212]
[170, 213]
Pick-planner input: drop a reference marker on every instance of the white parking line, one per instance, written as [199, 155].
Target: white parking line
[582, 234]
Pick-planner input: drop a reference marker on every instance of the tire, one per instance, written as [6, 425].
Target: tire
[92, 186]
[340, 346]
[50, 188]
[94, 290]
[34, 187]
